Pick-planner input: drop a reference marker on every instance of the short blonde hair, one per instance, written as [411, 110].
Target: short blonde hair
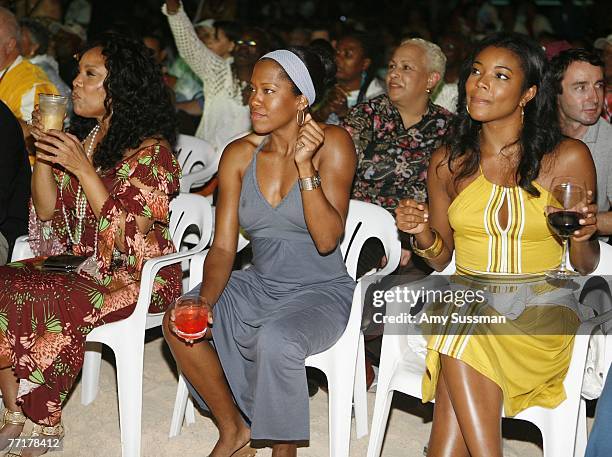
[436, 60]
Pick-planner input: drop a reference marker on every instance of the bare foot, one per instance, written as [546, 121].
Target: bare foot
[231, 441]
[34, 451]
[8, 433]
[38, 443]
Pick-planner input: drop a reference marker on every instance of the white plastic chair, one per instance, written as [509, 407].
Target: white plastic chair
[343, 363]
[198, 159]
[126, 337]
[22, 250]
[563, 428]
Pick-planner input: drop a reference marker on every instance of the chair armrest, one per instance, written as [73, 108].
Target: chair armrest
[150, 270]
[200, 176]
[595, 321]
[196, 268]
[21, 250]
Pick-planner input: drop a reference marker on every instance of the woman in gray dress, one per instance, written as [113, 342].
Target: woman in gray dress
[288, 185]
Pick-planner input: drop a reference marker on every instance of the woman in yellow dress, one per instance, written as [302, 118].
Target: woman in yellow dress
[488, 192]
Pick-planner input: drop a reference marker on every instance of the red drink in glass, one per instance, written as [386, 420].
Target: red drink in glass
[190, 318]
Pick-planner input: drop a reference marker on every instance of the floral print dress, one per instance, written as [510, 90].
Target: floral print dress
[46, 316]
[392, 160]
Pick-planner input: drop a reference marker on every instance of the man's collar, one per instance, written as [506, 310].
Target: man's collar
[592, 133]
[16, 62]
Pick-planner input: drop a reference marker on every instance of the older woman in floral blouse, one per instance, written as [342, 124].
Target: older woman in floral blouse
[395, 135]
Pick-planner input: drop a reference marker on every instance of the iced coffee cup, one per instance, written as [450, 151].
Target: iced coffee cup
[52, 110]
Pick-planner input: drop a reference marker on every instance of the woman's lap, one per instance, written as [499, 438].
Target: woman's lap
[263, 358]
[44, 320]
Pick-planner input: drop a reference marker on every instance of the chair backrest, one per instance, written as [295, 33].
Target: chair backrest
[605, 260]
[364, 221]
[189, 211]
[198, 159]
[194, 154]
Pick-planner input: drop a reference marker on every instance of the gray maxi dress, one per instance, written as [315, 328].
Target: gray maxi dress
[291, 303]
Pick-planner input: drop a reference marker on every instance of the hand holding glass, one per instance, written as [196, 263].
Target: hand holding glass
[566, 199]
[191, 317]
[52, 110]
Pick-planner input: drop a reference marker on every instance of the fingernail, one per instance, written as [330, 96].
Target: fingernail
[585, 209]
[581, 221]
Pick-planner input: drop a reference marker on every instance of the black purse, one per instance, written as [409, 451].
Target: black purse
[63, 263]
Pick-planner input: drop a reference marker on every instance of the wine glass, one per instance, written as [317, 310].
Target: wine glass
[190, 317]
[565, 201]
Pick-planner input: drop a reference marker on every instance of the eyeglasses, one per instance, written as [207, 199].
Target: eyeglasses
[246, 43]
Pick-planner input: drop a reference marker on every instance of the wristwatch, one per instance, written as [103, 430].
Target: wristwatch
[310, 183]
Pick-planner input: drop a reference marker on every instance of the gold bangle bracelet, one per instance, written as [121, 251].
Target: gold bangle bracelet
[432, 251]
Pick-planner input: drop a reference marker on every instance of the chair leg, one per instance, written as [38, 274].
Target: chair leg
[129, 384]
[558, 435]
[91, 372]
[581, 431]
[180, 405]
[360, 394]
[384, 396]
[189, 412]
[339, 414]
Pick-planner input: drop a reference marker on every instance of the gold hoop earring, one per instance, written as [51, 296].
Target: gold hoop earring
[300, 117]
[522, 114]
[467, 108]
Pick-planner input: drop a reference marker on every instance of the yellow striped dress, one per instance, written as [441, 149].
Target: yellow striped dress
[528, 365]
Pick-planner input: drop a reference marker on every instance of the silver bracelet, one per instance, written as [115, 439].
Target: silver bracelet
[310, 183]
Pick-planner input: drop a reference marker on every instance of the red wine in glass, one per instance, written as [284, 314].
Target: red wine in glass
[566, 197]
[564, 223]
[190, 318]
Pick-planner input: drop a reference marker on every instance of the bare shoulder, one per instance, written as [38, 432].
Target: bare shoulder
[239, 153]
[338, 139]
[338, 148]
[334, 132]
[570, 158]
[571, 149]
[242, 145]
[569, 155]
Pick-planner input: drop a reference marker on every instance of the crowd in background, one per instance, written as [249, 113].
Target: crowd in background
[399, 86]
[66, 24]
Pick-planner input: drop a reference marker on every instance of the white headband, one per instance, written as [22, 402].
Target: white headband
[296, 70]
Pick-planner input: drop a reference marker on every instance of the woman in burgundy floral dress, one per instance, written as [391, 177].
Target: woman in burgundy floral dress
[101, 191]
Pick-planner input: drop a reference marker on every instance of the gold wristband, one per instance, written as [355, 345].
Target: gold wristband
[310, 183]
[432, 251]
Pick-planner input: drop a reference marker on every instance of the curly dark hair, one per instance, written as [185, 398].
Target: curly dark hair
[137, 100]
[540, 133]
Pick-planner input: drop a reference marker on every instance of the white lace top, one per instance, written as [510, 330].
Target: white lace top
[224, 117]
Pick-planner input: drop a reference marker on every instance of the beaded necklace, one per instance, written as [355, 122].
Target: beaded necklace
[81, 199]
